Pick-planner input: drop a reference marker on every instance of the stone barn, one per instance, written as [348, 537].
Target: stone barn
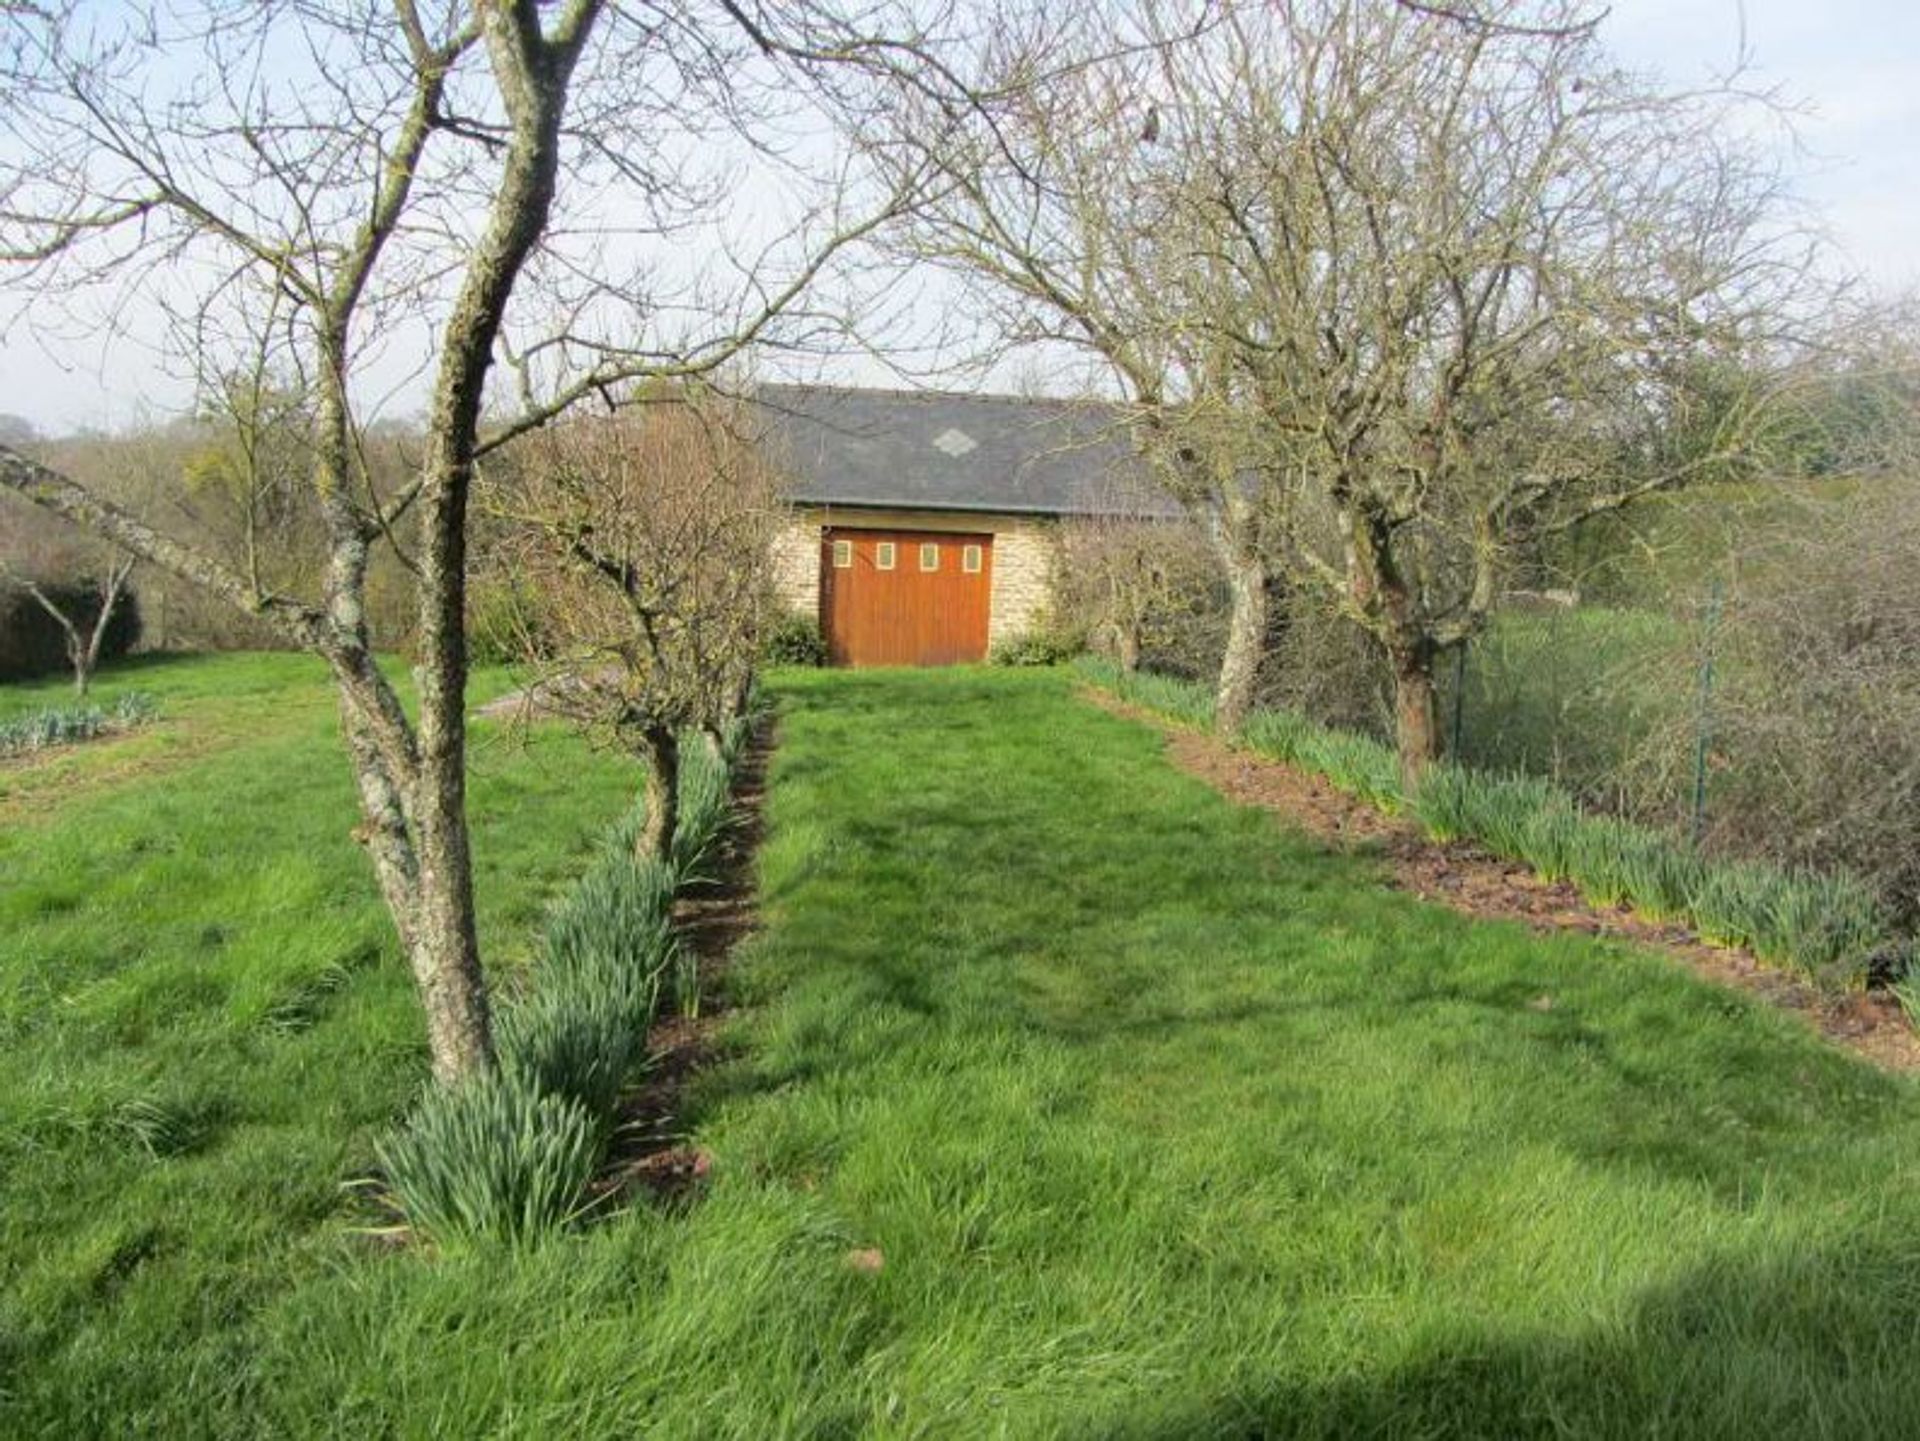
[925, 527]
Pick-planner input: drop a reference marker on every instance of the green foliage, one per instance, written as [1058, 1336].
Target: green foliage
[706, 802]
[1827, 927]
[575, 1035]
[1045, 646]
[686, 983]
[795, 639]
[71, 724]
[504, 624]
[617, 916]
[1357, 764]
[577, 1032]
[1906, 984]
[496, 1159]
[1177, 699]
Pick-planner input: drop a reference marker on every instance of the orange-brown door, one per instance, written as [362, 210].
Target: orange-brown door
[905, 597]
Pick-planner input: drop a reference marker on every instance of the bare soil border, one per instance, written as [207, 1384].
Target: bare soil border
[1472, 881]
[650, 1151]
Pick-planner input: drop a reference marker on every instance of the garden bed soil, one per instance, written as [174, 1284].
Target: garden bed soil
[1474, 882]
[650, 1152]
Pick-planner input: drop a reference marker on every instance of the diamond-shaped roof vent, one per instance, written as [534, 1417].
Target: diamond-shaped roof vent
[954, 442]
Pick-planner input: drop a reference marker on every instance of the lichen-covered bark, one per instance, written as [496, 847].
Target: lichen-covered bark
[1416, 731]
[662, 797]
[1246, 641]
[411, 779]
[1235, 540]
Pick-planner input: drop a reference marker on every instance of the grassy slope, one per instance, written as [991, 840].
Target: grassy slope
[1167, 1124]
[202, 1020]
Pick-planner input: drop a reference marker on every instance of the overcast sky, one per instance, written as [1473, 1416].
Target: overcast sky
[1853, 64]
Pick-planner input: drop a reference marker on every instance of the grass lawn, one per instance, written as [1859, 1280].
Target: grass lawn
[1162, 1121]
[203, 1020]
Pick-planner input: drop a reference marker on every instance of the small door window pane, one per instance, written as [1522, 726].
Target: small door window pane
[883, 555]
[929, 555]
[843, 555]
[970, 558]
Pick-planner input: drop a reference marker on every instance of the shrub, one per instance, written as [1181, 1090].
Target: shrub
[1037, 648]
[494, 1160]
[504, 624]
[794, 640]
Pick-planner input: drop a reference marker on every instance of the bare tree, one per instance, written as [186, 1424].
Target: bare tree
[1399, 285]
[646, 541]
[1136, 586]
[476, 183]
[1051, 208]
[1483, 276]
[84, 630]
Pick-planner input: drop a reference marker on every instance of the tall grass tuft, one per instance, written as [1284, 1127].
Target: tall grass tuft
[1177, 699]
[70, 725]
[475, 1163]
[496, 1159]
[575, 1038]
[705, 800]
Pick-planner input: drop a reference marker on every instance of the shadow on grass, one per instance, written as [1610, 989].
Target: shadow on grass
[1818, 1344]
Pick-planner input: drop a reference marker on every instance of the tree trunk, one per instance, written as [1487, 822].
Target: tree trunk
[662, 749]
[85, 652]
[532, 75]
[1415, 715]
[1127, 647]
[1246, 643]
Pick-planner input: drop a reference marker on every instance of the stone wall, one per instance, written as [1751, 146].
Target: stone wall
[1023, 557]
[796, 565]
[1024, 550]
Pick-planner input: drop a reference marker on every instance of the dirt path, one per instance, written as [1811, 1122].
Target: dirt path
[650, 1151]
[1467, 879]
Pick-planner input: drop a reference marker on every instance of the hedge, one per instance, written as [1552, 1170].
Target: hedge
[32, 642]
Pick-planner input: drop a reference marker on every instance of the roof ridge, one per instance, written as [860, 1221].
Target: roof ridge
[905, 393]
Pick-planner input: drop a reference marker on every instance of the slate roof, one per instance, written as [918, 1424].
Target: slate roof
[929, 450]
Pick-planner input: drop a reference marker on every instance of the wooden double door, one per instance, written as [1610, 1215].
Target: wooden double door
[905, 597]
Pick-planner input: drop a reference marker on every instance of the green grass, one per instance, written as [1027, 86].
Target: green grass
[1597, 699]
[1831, 928]
[204, 1021]
[1165, 1122]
